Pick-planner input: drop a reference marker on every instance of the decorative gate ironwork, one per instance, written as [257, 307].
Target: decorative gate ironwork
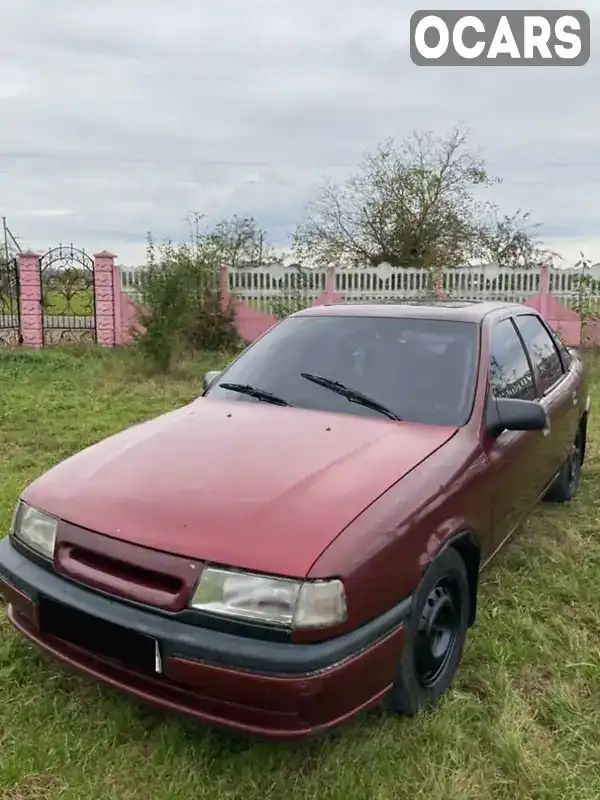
[10, 321]
[68, 296]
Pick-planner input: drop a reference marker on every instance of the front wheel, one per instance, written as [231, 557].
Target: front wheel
[435, 635]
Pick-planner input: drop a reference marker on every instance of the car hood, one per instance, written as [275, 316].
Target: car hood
[251, 485]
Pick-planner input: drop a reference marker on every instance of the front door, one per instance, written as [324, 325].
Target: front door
[514, 457]
[557, 390]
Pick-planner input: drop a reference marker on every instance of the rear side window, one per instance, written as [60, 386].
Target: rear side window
[542, 350]
[566, 357]
[510, 373]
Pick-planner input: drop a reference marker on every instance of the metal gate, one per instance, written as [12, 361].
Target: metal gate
[10, 320]
[68, 296]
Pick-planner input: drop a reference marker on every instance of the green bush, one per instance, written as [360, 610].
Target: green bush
[181, 308]
[294, 296]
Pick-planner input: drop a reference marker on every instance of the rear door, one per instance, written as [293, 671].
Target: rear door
[515, 456]
[557, 392]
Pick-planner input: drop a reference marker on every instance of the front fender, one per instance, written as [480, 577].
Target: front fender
[382, 555]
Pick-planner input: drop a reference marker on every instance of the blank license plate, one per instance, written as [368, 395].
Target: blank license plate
[127, 647]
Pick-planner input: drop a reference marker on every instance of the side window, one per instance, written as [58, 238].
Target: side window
[566, 357]
[542, 350]
[510, 374]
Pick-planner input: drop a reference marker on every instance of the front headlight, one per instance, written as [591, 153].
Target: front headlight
[276, 601]
[35, 529]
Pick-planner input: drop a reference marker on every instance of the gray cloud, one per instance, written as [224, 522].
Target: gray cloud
[124, 116]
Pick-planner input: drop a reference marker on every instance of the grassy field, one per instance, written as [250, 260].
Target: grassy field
[80, 304]
[523, 719]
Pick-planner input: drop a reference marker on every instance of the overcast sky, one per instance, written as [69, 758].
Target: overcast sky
[121, 116]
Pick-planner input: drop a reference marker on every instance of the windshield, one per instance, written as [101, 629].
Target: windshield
[420, 370]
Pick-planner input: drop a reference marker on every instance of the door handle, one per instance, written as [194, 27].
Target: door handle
[574, 396]
[548, 428]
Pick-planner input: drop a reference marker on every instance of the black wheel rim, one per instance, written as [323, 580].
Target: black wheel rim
[438, 631]
[575, 465]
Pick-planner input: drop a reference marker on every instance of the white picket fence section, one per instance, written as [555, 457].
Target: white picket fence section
[261, 286]
[130, 280]
[389, 284]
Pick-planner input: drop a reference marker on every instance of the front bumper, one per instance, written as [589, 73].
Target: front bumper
[273, 689]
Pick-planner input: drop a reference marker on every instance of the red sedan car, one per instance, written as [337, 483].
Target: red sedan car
[304, 540]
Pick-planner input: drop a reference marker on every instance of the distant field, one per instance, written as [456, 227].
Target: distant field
[79, 304]
[8, 304]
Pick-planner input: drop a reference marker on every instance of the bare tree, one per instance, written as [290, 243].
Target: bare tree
[413, 206]
[235, 241]
[514, 241]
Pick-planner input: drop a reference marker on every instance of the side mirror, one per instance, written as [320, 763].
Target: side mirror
[209, 379]
[507, 414]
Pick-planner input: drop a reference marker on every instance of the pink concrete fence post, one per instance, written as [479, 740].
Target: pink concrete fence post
[32, 321]
[224, 286]
[544, 290]
[104, 273]
[329, 295]
[117, 305]
[565, 321]
[330, 285]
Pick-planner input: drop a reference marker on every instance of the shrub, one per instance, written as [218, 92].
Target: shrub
[181, 305]
[294, 296]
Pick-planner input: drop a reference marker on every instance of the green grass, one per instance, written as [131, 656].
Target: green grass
[79, 304]
[522, 721]
[8, 304]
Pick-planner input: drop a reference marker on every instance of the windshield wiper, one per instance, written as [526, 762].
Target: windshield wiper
[252, 391]
[350, 394]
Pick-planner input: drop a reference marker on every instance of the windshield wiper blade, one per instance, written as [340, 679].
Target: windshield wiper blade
[350, 394]
[252, 391]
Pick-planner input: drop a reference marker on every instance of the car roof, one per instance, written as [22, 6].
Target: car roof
[458, 310]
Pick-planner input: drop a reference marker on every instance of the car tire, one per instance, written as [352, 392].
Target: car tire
[565, 487]
[435, 635]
